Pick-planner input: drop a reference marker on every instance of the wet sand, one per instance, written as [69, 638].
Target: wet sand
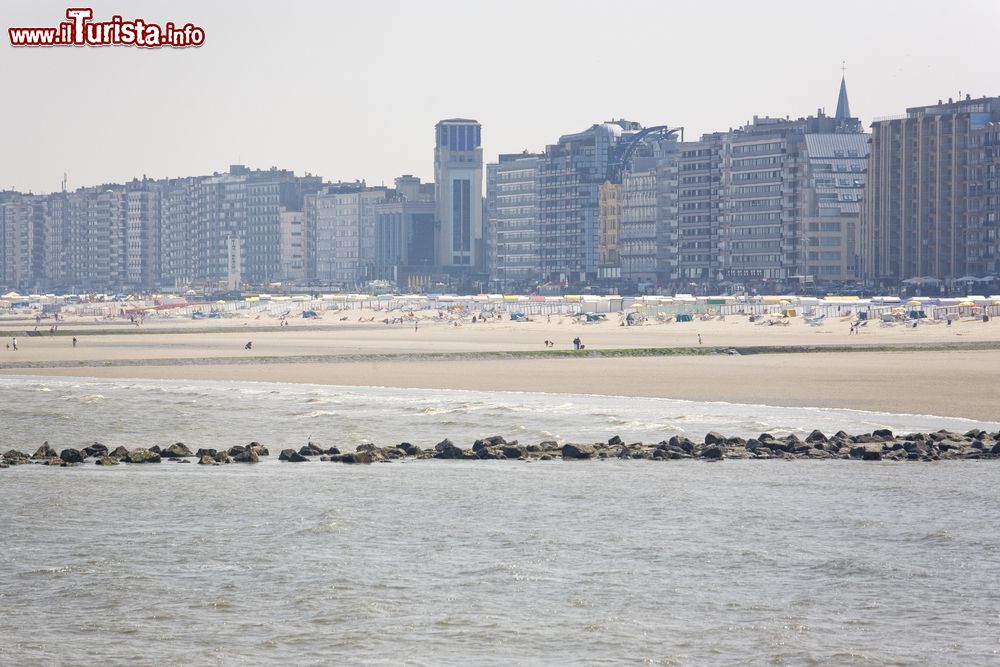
[960, 383]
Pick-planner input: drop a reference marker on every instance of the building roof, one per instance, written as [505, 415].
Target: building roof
[843, 108]
[840, 145]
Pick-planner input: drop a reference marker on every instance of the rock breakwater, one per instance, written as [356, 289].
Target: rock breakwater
[879, 445]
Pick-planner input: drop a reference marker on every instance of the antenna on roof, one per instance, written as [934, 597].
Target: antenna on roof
[64, 182]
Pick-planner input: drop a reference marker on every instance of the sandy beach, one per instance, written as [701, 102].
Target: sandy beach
[959, 382]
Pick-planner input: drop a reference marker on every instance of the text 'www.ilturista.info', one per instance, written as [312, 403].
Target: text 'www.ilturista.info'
[80, 30]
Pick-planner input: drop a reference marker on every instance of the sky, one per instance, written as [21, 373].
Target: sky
[352, 90]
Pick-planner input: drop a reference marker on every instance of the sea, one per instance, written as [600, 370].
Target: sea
[480, 563]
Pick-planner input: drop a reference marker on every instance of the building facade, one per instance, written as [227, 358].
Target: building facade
[458, 180]
[405, 232]
[512, 209]
[926, 171]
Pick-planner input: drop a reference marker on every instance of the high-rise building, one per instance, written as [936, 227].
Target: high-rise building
[142, 234]
[647, 239]
[294, 247]
[404, 232]
[512, 211]
[833, 188]
[22, 235]
[983, 205]
[458, 180]
[571, 173]
[698, 176]
[930, 197]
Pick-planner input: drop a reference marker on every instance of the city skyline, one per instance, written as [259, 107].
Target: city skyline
[348, 110]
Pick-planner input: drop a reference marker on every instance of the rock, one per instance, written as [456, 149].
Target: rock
[107, 461]
[548, 446]
[357, 457]
[177, 450]
[444, 444]
[140, 455]
[311, 449]
[44, 452]
[304, 450]
[713, 452]
[201, 453]
[155, 449]
[492, 441]
[222, 457]
[489, 453]
[207, 460]
[15, 457]
[332, 451]
[96, 449]
[514, 451]
[119, 453]
[236, 449]
[995, 449]
[54, 461]
[681, 443]
[248, 455]
[449, 451]
[615, 441]
[70, 455]
[713, 438]
[411, 450]
[816, 436]
[545, 457]
[867, 452]
[571, 451]
[258, 449]
[883, 433]
[293, 456]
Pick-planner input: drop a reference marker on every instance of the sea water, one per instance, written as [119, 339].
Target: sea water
[489, 562]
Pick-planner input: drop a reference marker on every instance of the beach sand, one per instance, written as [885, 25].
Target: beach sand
[960, 383]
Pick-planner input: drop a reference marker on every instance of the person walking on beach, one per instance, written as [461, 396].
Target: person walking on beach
[74, 341]
[13, 342]
[699, 339]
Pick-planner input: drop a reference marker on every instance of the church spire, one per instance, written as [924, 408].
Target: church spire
[843, 108]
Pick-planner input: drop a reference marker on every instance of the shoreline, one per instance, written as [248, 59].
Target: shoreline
[933, 369]
[947, 384]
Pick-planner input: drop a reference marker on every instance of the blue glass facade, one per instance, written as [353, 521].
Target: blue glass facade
[459, 136]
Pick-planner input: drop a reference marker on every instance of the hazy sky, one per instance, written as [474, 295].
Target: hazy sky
[352, 89]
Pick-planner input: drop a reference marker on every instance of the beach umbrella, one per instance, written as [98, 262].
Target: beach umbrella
[913, 302]
[966, 304]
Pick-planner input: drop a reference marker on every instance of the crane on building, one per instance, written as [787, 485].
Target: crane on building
[616, 169]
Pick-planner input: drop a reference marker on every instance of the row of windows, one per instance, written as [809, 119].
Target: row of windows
[746, 149]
